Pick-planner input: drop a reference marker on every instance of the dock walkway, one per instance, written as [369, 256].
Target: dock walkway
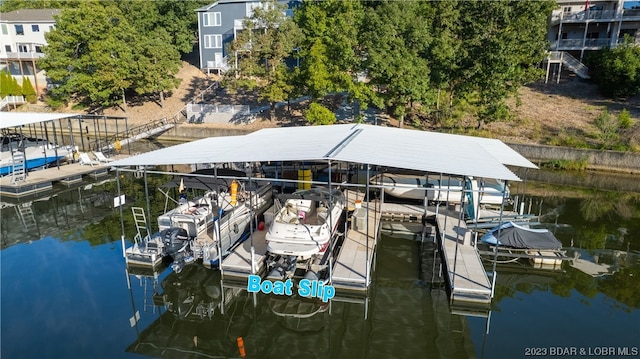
[42, 180]
[351, 270]
[238, 263]
[466, 276]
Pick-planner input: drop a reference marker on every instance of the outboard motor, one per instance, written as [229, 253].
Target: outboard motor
[282, 268]
[174, 239]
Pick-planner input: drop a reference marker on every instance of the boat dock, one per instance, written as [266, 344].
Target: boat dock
[352, 268]
[467, 279]
[465, 273]
[238, 262]
[42, 180]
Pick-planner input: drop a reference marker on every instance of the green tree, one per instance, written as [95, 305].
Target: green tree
[445, 48]
[617, 70]
[319, 115]
[12, 5]
[5, 84]
[330, 49]
[268, 39]
[15, 89]
[89, 54]
[503, 43]
[176, 18]
[28, 91]
[158, 63]
[396, 40]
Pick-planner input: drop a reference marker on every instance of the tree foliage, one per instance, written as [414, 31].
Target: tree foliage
[101, 50]
[396, 38]
[411, 52]
[5, 84]
[330, 49]
[268, 39]
[503, 43]
[617, 70]
[319, 115]
[28, 91]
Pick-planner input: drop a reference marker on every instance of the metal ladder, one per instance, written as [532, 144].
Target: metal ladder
[140, 220]
[27, 218]
[19, 173]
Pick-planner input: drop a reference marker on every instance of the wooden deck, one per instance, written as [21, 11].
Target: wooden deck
[466, 276]
[403, 212]
[238, 262]
[42, 180]
[356, 254]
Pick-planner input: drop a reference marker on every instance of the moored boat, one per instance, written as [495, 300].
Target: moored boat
[32, 157]
[303, 228]
[205, 228]
[514, 241]
[442, 189]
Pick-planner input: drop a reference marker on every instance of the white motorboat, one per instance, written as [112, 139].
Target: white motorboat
[207, 227]
[440, 189]
[305, 223]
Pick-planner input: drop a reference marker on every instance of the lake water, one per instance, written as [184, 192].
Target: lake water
[65, 293]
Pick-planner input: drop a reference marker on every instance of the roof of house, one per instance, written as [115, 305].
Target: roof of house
[357, 143]
[30, 15]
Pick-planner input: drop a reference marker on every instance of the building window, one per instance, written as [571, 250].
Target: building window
[23, 48]
[35, 28]
[38, 49]
[19, 30]
[212, 19]
[213, 41]
[4, 29]
[7, 48]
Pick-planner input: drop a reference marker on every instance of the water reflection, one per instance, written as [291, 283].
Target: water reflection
[58, 213]
[404, 315]
[84, 307]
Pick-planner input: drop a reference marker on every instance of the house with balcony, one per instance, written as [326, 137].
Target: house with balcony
[218, 25]
[22, 38]
[579, 26]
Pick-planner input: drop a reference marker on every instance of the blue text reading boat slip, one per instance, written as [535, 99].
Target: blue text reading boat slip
[306, 287]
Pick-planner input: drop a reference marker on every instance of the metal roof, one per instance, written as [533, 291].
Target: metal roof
[16, 119]
[375, 145]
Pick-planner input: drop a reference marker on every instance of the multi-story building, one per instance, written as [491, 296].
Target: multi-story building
[21, 43]
[218, 25]
[578, 25]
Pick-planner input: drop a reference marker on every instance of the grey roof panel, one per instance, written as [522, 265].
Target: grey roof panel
[376, 145]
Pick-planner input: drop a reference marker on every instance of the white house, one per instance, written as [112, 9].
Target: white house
[21, 41]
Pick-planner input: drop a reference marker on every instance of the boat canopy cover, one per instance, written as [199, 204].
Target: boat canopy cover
[17, 119]
[515, 236]
[355, 143]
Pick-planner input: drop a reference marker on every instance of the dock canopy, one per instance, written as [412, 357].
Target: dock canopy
[356, 143]
[17, 119]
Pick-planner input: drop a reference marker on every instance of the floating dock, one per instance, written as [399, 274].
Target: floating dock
[352, 269]
[238, 262]
[467, 279]
[42, 180]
